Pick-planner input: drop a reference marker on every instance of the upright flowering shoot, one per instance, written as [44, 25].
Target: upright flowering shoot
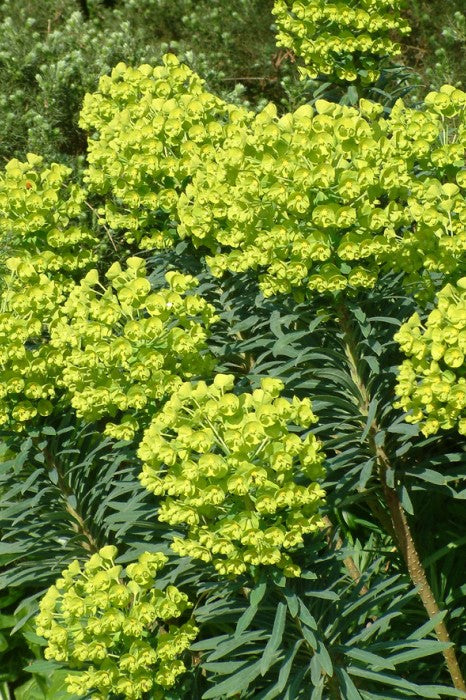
[44, 247]
[114, 628]
[112, 347]
[322, 200]
[152, 128]
[41, 223]
[432, 381]
[233, 475]
[343, 40]
[128, 347]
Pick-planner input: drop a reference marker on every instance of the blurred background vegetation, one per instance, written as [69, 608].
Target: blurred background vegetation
[53, 52]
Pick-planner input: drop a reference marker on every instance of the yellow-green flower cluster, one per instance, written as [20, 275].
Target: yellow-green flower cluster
[114, 627]
[112, 349]
[44, 248]
[432, 382]
[29, 365]
[128, 347]
[320, 200]
[234, 475]
[40, 221]
[340, 39]
[317, 200]
[151, 128]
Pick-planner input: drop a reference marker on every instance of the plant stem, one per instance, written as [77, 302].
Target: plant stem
[400, 527]
[350, 566]
[78, 523]
[415, 568]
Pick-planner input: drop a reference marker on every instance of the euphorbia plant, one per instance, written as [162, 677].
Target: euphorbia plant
[214, 230]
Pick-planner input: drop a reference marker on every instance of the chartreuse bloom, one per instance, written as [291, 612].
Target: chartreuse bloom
[324, 199]
[44, 248]
[127, 347]
[318, 200]
[343, 40]
[41, 223]
[114, 628]
[233, 475]
[112, 347]
[29, 366]
[151, 128]
[432, 381]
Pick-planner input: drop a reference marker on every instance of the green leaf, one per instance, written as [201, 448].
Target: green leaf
[236, 683]
[7, 621]
[255, 598]
[306, 617]
[347, 685]
[372, 660]
[318, 690]
[396, 681]
[309, 636]
[406, 501]
[366, 473]
[324, 658]
[232, 643]
[43, 667]
[371, 413]
[54, 689]
[323, 595]
[284, 674]
[293, 690]
[423, 648]
[292, 601]
[428, 626]
[275, 638]
[223, 667]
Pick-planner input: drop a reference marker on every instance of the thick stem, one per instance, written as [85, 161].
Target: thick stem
[399, 524]
[416, 570]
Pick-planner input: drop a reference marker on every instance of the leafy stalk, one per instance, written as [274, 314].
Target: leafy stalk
[78, 523]
[403, 536]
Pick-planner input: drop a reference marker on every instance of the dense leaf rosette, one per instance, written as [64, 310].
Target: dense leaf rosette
[116, 627]
[432, 381]
[234, 475]
[343, 40]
